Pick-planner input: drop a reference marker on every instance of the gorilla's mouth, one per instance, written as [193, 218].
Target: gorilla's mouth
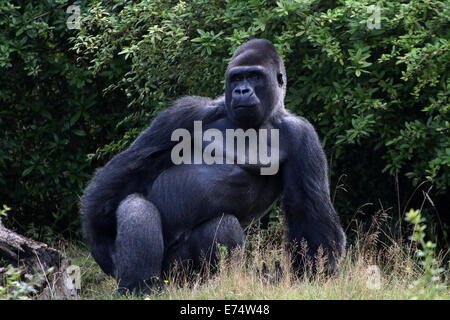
[245, 106]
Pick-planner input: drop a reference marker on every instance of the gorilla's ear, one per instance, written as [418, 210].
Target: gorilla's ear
[280, 79]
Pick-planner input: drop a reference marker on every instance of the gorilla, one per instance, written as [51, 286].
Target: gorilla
[142, 212]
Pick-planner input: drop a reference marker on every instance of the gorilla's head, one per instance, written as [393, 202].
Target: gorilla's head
[255, 83]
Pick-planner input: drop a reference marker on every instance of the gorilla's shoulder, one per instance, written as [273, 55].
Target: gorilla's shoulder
[191, 102]
[294, 123]
[193, 108]
[195, 102]
[183, 112]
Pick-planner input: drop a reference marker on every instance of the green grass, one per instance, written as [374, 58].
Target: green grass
[401, 273]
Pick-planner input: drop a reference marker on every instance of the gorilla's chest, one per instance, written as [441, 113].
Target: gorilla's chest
[187, 195]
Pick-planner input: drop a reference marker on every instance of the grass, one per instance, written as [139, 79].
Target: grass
[377, 266]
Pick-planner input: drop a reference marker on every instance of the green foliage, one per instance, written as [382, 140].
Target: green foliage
[13, 287]
[223, 251]
[4, 211]
[379, 97]
[431, 285]
[52, 114]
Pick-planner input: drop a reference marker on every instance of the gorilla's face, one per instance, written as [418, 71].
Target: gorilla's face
[246, 93]
[254, 83]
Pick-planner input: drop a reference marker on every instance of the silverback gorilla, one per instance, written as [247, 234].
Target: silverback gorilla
[141, 212]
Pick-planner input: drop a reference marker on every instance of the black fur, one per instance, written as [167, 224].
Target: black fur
[141, 213]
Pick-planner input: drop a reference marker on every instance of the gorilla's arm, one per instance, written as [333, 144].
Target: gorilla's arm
[135, 168]
[306, 197]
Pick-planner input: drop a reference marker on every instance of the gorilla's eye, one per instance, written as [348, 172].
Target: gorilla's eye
[253, 75]
[237, 78]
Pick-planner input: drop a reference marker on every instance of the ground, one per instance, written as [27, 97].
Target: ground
[376, 266]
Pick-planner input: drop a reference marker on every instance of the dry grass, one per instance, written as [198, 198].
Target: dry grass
[377, 266]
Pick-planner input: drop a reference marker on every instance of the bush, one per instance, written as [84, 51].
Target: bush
[431, 285]
[52, 114]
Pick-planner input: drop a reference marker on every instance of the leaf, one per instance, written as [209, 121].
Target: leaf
[27, 171]
[75, 118]
[79, 132]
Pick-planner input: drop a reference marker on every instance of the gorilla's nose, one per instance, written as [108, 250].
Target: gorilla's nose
[242, 93]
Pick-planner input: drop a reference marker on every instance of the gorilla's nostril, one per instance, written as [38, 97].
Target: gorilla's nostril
[244, 91]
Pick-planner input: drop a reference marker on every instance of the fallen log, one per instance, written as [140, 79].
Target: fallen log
[36, 258]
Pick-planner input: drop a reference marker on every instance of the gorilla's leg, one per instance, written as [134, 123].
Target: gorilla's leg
[224, 230]
[199, 246]
[139, 245]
